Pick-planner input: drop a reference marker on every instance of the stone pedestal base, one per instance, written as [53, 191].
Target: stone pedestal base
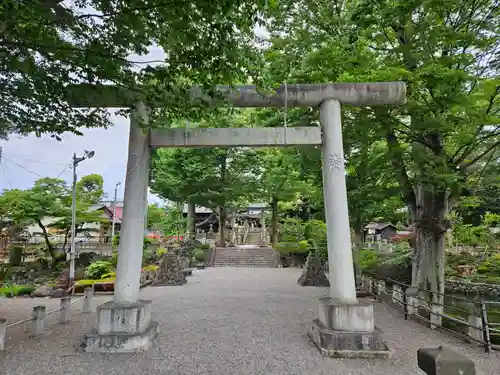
[121, 328]
[347, 330]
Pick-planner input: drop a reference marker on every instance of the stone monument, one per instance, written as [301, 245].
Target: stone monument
[313, 273]
[169, 271]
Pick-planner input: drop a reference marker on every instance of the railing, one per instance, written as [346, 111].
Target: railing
[35, 325]
[414, 306]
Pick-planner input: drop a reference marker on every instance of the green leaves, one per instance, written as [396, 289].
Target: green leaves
[46, 46]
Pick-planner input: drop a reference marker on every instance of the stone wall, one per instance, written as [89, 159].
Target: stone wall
[454, 286]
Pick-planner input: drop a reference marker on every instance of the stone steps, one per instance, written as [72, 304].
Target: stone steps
[257, 257]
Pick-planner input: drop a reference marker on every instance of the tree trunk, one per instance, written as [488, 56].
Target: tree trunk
[274, 221]
[46, 239]
[191, 221]
[358, 247]
[428, 263]
[222, 225]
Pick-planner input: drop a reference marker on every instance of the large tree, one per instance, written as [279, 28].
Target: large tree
[447, 52]
[47, 45]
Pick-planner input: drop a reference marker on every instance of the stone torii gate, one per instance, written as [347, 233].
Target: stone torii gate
[345, 326]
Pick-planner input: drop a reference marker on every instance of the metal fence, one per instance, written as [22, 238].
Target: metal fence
[470, 324]
[35, 325]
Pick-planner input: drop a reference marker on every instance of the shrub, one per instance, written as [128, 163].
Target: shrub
[289, 248]
[482, 269]
[204, 246]
[97, 269]
[161, 252]
[151, 267]
[84, 259]
[200, 256]
[115, 241]
[111, 275]
[146, 242]
[369, 259]
[16, 290]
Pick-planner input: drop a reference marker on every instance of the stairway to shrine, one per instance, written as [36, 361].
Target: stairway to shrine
[246, 256]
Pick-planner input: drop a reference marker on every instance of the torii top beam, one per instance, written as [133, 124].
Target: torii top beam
[296, 95]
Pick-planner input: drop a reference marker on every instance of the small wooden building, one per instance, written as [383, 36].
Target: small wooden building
[380, 231]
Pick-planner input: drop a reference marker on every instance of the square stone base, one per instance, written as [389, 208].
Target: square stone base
[121, 328]
[347, 330]
[342, 344]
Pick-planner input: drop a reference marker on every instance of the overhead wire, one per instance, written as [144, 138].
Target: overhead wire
[6, 174]
[33, 160]
[20, 166]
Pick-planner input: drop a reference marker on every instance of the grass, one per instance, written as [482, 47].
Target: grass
[16, 290]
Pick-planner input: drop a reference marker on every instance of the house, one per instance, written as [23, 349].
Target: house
[380, 231]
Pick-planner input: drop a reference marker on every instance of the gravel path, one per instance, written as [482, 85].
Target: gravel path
[233, 321]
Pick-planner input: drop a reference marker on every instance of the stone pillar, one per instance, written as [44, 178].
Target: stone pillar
[263, 235]
[191, 221]
[341, 267]
[234, 231]
[124, 324]
[128, 269]
[345, 327]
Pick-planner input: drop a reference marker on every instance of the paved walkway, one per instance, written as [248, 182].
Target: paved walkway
[233, 321]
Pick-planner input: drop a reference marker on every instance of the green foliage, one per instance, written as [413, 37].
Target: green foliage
[151, 267]
[114, 259]
[50, 45]
[146, 242]
[51, 197]
[156, 217]
[16, 290]
[400, 258]
[200, 256]
[369, 259]
[442, 135]
[99, 268]
[292, 230]
[161, 252]
[301, 237]
[173, 222]
[490, 267]
[289, 248]
[115, 241]
[107, 276]
[15, 255]
[209, 177]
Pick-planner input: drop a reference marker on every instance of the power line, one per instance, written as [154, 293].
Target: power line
[65, 168]
[33, 160]
[20, 166]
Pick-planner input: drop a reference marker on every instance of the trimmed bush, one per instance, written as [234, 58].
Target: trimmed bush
[200, 256]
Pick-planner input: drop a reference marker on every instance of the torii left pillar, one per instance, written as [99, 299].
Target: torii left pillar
[124, 324]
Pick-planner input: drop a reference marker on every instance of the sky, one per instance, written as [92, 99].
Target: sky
[24, 160]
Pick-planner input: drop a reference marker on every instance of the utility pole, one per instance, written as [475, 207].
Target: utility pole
[114, 213]
[72, 251]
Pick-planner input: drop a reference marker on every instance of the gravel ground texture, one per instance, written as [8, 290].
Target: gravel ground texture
[228, 321]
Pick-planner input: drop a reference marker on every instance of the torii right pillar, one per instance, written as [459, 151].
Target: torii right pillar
[345, 326]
